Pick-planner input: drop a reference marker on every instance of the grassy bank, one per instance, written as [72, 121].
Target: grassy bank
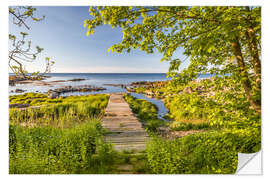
[63, 137]
[219, 108]
[64, 112]
[37, 99]
[211, 152]
[146, 112]
[50, 150]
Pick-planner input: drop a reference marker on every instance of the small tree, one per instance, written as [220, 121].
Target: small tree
[217, 40]
[21, 50]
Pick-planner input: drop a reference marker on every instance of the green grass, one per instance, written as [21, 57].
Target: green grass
[60, 138]
[36, 99]
[146, 112]
[212, 152]
[49, 150]
[65, 135]
[182, 126]
[72, 110]
[229, 125]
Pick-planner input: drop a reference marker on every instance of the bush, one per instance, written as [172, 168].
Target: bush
[202, 153]
[182, 126]
[43, 150]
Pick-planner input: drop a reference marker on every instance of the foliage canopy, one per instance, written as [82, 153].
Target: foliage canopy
[217, 40]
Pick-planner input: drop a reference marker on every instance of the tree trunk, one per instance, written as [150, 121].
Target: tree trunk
[244, 75]
[254, 52]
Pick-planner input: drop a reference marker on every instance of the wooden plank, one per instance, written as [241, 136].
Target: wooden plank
[126, 131]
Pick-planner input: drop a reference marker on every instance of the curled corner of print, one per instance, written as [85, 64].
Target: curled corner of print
[249, 164]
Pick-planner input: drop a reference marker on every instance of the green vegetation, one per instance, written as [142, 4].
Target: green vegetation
[220, 108]
[220, 102]
[216, 39]
[202, 153]
[64, 137]
[60, 112]
[140, 90]
[50, 150]
[217, 106]
[35, 99]
[146, 112]
[225, 41]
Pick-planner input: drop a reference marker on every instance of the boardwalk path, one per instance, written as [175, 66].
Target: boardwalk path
[126, 132]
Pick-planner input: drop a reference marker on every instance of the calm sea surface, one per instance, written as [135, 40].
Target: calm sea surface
[94, 79]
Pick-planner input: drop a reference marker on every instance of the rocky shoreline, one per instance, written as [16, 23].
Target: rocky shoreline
[24, 80]
[13, 80]
[83, 88]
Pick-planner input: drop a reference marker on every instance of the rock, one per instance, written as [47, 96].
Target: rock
[19, 90]
[199, 89]
[82, 88]
[58, 81]
[11, 82]
[77, 79]
[188, 90]
[130, 89]
[211, 93]
[148, 92]
[18, 105]
[139, 83]
[53, 95]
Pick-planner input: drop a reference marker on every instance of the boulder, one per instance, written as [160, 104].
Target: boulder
[188, 90]
[11, 82]
[77, 79]
[19, 90]
[53, 95]
[148, 92]
[68, 87]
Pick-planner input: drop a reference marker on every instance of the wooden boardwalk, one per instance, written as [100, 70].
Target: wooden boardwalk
[126, 132]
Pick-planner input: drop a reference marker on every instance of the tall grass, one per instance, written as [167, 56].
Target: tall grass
[50, 150]
[212, 152]
[64, 137]
[74, 110]
[146, 112]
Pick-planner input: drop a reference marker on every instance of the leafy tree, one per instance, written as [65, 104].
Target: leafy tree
[217, 40]
[20, 49]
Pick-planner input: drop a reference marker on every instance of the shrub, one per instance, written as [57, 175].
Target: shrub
[182, 126]
[51, 150]
[202, 153]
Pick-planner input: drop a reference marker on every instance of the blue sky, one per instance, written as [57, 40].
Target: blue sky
[64, 39]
